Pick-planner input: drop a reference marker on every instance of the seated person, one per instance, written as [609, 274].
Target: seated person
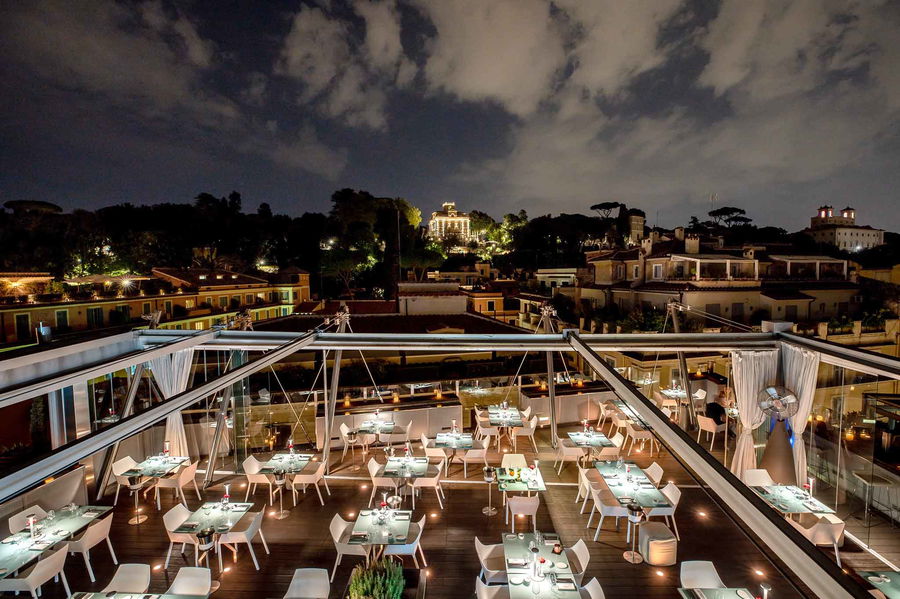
[716, 411]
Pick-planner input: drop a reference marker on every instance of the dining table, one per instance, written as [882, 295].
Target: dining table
[504, 417]
[791, 499]
[375, 427]
[21, 549]
[453, 442]
[886, 581]
[380, 527]
[156, 466]
[520, 480]
[630, 485]
[552, 579]
[287, 462]
[724, 593]
[590, 439]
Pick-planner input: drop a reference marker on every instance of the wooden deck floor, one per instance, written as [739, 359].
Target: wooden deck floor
[302, 540]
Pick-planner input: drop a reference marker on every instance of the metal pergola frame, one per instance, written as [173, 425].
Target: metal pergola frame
[33, 375]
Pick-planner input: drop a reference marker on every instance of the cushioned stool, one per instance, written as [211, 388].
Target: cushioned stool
[658, 544]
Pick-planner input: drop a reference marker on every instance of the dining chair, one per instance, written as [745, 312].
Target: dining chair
[825, 531]
[586, 477]
[119, 468]
[252, 468]
[493, 562]
[172, 519]
[523, 506]
[485, 430]
[428, 482]
[673, 494]
[527, 430]
[477, 455]
[32, 579]
[414, 545]
[592, 590]
[611, 453]
[187, 476]
[513, 460]
[432, 452]
[129, 578]
[19, 521]
[708, 425]
[340, 534]
[309, 583]
[494, 591]
[232, 538]
[360, 440]
[191, 581]
[757, 477]
[94, 534]
[606, 504]
[606, 411]
[654, 473]
[619, 421]
[378, 481]
[579, 557]
[313, 479]
[635, 434]
[566, 451]
[700, 575]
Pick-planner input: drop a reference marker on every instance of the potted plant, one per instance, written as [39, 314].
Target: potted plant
[379, 580]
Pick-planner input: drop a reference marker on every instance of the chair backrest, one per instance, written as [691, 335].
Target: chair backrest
[19, 521]
[373, 467]
[123, 465]
[264, 395]
[421, 525]
[593, 589]
[251, 465]
[175, 517]
[524, 505]
[483, 551]
[337, 527]
[48, 567]
[706, 423]
[345, 430]
[532, 425]
[191, 581]
[618, 439]
[526, 413]
[188, 474]
[97, 531]
[483, 591]
[757, 477]
[583, 554]
[672, 493]
[824, 532]
[700, 394]
[425, 440]
[658, 398]
[255, 525]
[654, 472]
[700, 575]
[667, 412]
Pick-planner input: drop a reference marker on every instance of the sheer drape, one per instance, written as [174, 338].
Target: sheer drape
[172, 374]
[751, 371]
[800, 368]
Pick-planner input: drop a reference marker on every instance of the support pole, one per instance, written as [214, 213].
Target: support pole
[342, 318]
[109, 455]
[547, 315]
[682, 365]
[221, 425]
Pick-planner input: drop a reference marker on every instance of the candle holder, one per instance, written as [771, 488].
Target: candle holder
[490, 475]
[280, 482]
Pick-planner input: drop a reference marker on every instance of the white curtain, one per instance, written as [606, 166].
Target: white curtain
[751, 371]
[172, 374]
[800, 368]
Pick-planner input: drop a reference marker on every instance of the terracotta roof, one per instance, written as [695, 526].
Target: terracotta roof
[396, 323]
[205, 277]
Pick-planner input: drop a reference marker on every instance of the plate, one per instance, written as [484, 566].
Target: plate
[400, 537]
[744, 594]
[516, 579]
[223, 528]
[562, 565]
[878, 579]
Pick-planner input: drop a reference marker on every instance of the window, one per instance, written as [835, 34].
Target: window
[635, 270]
[62, 319]
[125, 311]
[145, 308]
[198, 325]
[168, 306]
[737, 311]
[285, 296]
[189, 304]
[657, 271]
[249, 298]
[284, 311]
[490, 306]
[23, 327]
[94, 317]
[223, 301]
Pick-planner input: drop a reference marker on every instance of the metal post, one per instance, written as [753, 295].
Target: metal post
[217, 436]
[342, 319]
[110, 454]
[682, 364]
[547, 315]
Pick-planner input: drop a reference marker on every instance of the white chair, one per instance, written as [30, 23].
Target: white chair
[172, 519]
[665, 402]
[231, 539]
[757, 477]
[606, 504]
[673, 494]
[523, 506]
[265, 396]
[178, 482]
[494, 591]
[432, 452]
[619, 420]
[32, 579]
[340, 534]
[119, 468]
[826, 531]
[527, 430]
[129, 578]
[191, 581]
[378, 481]
[579, 558]
[592, 590]
[700, 575]
[586, 477]
[654, 473]
[428, 482]
[639, 434]
[252, 466]
[709, 426]
[96, 533]
[486, 431]
[699, 398]
[19, 521]
[513, 460]
[566, 451]
[526, 413]
[310, 479]
[606, 411]
[493, 562]
[611, 453]
[309, 583]
[477, 455]
[351, 443]
[415, 544]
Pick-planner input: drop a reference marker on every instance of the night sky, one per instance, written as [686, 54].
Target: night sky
[777, 107]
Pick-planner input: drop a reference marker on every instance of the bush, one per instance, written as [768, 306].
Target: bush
[380, 580]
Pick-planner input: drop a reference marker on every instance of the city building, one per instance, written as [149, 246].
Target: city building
[478, 273]
[187, 298]
[841, 231]
[449, 222]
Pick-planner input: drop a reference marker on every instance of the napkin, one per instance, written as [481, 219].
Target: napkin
[421, 459]
[517, 561]
[190, 524]
[41, 545]
[402, 516]
[90, 514]
[565, 586]
[359, 535]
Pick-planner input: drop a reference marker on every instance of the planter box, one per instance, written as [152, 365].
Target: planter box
[415, 584]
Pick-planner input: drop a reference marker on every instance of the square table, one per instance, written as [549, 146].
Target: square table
[17, 551]
[211, 515]
[411, 467]
[519, 560]
[592, 440]
[640, 490]
[890, 587]
[870, 480]
[734, 593]
[791, 499]
[375, 427]
[454, 441]
[157, 466]
[369, 530]
[290, 463]
[520, 480]
[508, 417]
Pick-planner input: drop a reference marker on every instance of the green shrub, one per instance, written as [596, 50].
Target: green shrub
[380, 580]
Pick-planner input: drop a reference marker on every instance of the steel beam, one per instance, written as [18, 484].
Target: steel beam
[32, 473]
[110, 455]
[811, 566]
[221, 427]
